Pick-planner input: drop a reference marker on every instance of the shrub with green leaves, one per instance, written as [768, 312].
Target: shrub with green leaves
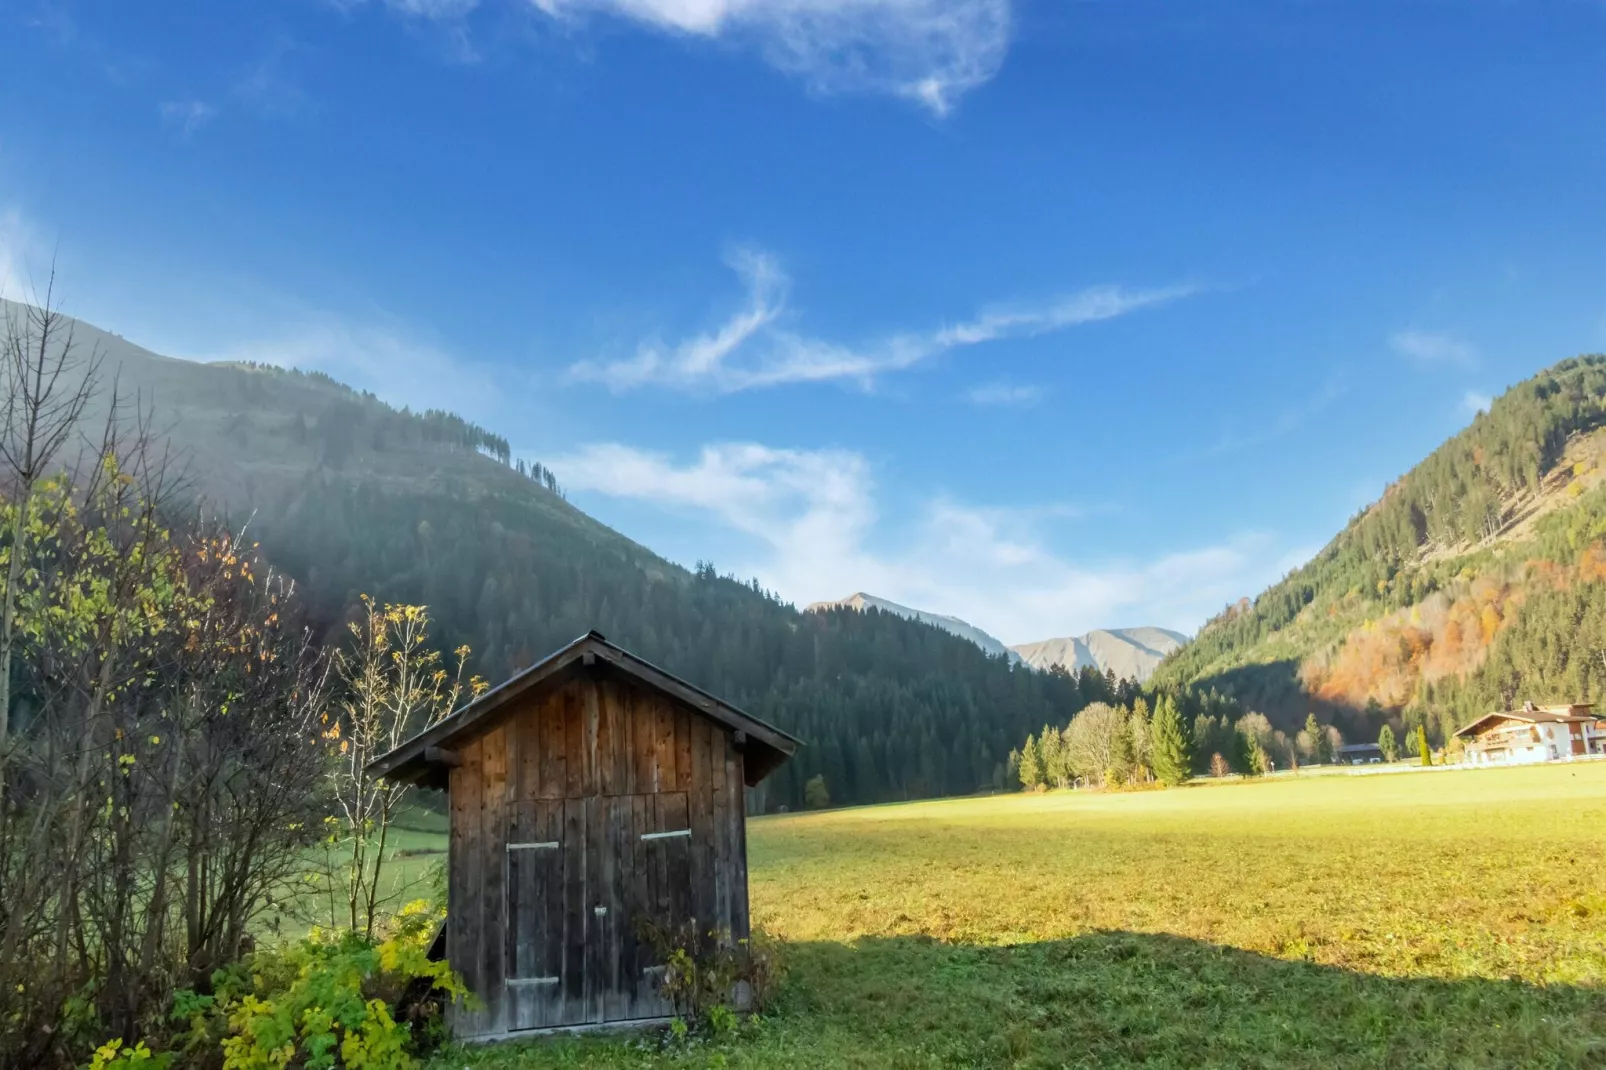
[708, 976]
[331, 1000]
[112, 1055]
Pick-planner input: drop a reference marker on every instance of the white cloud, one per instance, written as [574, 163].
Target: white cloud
[1250, 433]
[433, 9]
[188, 115]
[12, 241]
[813, 517]
[1005, 394]
[1475, 402]
[754, 349]
[1433, 347]
[25, 259]
[928, 51]
[271, 86]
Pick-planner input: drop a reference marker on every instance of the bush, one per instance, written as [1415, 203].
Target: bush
[709, 980]
[331, 1000]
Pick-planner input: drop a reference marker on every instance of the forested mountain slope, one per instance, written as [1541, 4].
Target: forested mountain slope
[1476, 581]
[953, 625]
[351, 496]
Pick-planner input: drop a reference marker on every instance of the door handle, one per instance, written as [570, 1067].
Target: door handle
[600, 912]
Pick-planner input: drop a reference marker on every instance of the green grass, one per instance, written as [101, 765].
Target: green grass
[1421, 919]
[415, 860]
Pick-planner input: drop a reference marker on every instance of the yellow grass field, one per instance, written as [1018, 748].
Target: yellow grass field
[1451, 918]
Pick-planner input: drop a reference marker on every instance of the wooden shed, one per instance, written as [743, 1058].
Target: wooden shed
[587, 792]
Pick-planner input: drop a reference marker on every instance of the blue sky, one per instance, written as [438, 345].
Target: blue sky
[1051, 314]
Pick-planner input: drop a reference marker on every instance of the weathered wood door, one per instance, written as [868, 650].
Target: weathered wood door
[546, 924]
[653, 885]
[576, 898]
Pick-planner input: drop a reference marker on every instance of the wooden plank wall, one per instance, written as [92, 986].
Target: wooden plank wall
[593, 766]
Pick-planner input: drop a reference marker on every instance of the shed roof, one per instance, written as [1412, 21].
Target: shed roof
[1531, 714]
[766, 747]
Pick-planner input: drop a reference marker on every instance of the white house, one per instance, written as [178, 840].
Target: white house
[1534, 734]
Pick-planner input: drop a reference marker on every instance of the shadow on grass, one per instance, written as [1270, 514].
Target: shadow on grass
[1127, 999]
[1116, 1000]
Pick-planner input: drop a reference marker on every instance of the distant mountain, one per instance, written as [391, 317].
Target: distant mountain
[1132, 653]
[951, 625]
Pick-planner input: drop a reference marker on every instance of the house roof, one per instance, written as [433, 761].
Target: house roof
[1531, 714]
[1351, 748]
[765, 746]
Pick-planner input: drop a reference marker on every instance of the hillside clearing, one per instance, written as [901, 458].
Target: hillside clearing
[1455, 919]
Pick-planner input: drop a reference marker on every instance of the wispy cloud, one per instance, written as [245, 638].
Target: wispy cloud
[1260, 429]
[1005, 394]
[24, 255]
[187, 115]
[813, 518]
[928, 51]
[272, 85]
[753, 348]
[433, 9]
[1433, 347]
[1475, 402]
[12, 241]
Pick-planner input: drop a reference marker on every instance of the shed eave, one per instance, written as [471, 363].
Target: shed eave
[768, 747]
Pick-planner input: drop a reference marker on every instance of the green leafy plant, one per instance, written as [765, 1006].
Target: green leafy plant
[112, 1055]
[710, 978]
[335, 999]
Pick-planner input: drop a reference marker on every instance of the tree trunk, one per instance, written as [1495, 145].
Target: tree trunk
[8, 620]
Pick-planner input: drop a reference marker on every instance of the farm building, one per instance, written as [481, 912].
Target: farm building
[1534, 734]
[590, 793]
[1359, 754]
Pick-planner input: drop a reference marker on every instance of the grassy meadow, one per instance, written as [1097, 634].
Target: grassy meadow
[1447, 919]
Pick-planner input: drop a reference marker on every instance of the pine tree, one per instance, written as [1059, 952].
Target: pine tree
[1171, 759]
[1255, 761]
[1031, 765]
[1051, 753]
[1386, 744]
[1422, 746]
[1320, 752]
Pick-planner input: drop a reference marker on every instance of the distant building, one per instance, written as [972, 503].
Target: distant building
[1534, 734]
[1359, 754]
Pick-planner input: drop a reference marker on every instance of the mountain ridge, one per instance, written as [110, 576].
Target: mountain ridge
[1131, 653]
[861, 601]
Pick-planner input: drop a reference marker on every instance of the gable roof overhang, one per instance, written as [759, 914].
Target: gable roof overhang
[1489, 719]
[421, 760]
[1536, 716]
